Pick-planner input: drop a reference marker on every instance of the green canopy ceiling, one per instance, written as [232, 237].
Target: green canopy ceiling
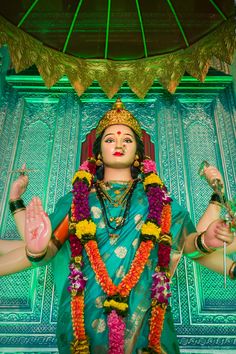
[115, 41]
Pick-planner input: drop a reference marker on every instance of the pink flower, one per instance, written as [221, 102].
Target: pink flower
[149, 166]
[88, 166]
[77, 279]
[166, 198]
[160, 287]
[116, 327]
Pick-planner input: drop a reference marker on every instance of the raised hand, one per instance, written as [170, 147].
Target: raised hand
[213, 176]
[19, 186]
[37, 227]
[217, 233]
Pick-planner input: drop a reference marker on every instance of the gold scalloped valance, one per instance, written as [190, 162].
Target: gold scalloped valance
[25, 51]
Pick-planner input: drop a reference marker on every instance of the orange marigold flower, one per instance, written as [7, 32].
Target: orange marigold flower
[100, 268]
[77, 309]
[156, 324]
[138, 264]
[166, 219]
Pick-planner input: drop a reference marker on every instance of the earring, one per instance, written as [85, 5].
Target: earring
[136, 162]
[99, 160]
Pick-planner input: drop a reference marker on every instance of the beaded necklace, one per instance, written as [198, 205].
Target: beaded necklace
[156, 229]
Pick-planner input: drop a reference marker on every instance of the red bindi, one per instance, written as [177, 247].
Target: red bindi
[118, 132]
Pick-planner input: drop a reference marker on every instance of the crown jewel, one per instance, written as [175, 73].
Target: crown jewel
[119, 115]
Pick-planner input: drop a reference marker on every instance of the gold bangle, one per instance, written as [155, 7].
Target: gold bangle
[35, 255]
[198, 249]
[198, 253]
[208, 249]
[201, 246]
[232, 271]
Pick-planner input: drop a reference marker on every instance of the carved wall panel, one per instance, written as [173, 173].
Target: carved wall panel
[46, 129]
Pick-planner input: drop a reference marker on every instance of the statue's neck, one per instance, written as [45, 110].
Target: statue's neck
[117, 174]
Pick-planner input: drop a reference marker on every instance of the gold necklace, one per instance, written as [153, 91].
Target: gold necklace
[108, 185]
[123, 213]
[120, 197]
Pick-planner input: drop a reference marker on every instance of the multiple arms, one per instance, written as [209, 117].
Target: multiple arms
[216, 233]
[34, 228]
[37, 244]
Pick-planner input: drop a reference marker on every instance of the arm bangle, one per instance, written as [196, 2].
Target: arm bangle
[35, 257]
[17, 211]
[232, 271]
[201, 246]
[216, 198]
[16, 205]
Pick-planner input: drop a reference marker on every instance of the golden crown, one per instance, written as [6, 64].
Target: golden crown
[119, 115]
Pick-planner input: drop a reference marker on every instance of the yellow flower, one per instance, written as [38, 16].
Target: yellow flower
[72, 226]
[151, 179]
[81, 175]
[78, 260]
[85, 227]
[122, 306]
[150, 228]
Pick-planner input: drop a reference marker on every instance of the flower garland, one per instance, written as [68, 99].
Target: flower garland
[156, 229]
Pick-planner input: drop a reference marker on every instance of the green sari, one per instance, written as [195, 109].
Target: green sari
[117, 253]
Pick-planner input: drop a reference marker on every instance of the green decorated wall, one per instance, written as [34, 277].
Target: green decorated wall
[46, 128]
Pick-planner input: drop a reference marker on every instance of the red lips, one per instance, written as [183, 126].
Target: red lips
[117, 153]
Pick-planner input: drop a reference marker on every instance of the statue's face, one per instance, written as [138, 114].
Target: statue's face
[118, 146]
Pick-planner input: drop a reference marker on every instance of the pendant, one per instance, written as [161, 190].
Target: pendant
[119, 220]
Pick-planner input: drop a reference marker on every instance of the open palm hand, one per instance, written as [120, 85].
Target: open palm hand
[37, 227]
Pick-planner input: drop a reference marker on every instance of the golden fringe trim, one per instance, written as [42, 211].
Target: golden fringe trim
[168, 69]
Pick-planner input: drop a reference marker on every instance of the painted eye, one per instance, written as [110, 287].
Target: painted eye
[128, 140]
[109, 140]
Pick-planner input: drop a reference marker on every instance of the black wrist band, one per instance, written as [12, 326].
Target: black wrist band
[15, 205]
[36, 259]
[216, 198]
